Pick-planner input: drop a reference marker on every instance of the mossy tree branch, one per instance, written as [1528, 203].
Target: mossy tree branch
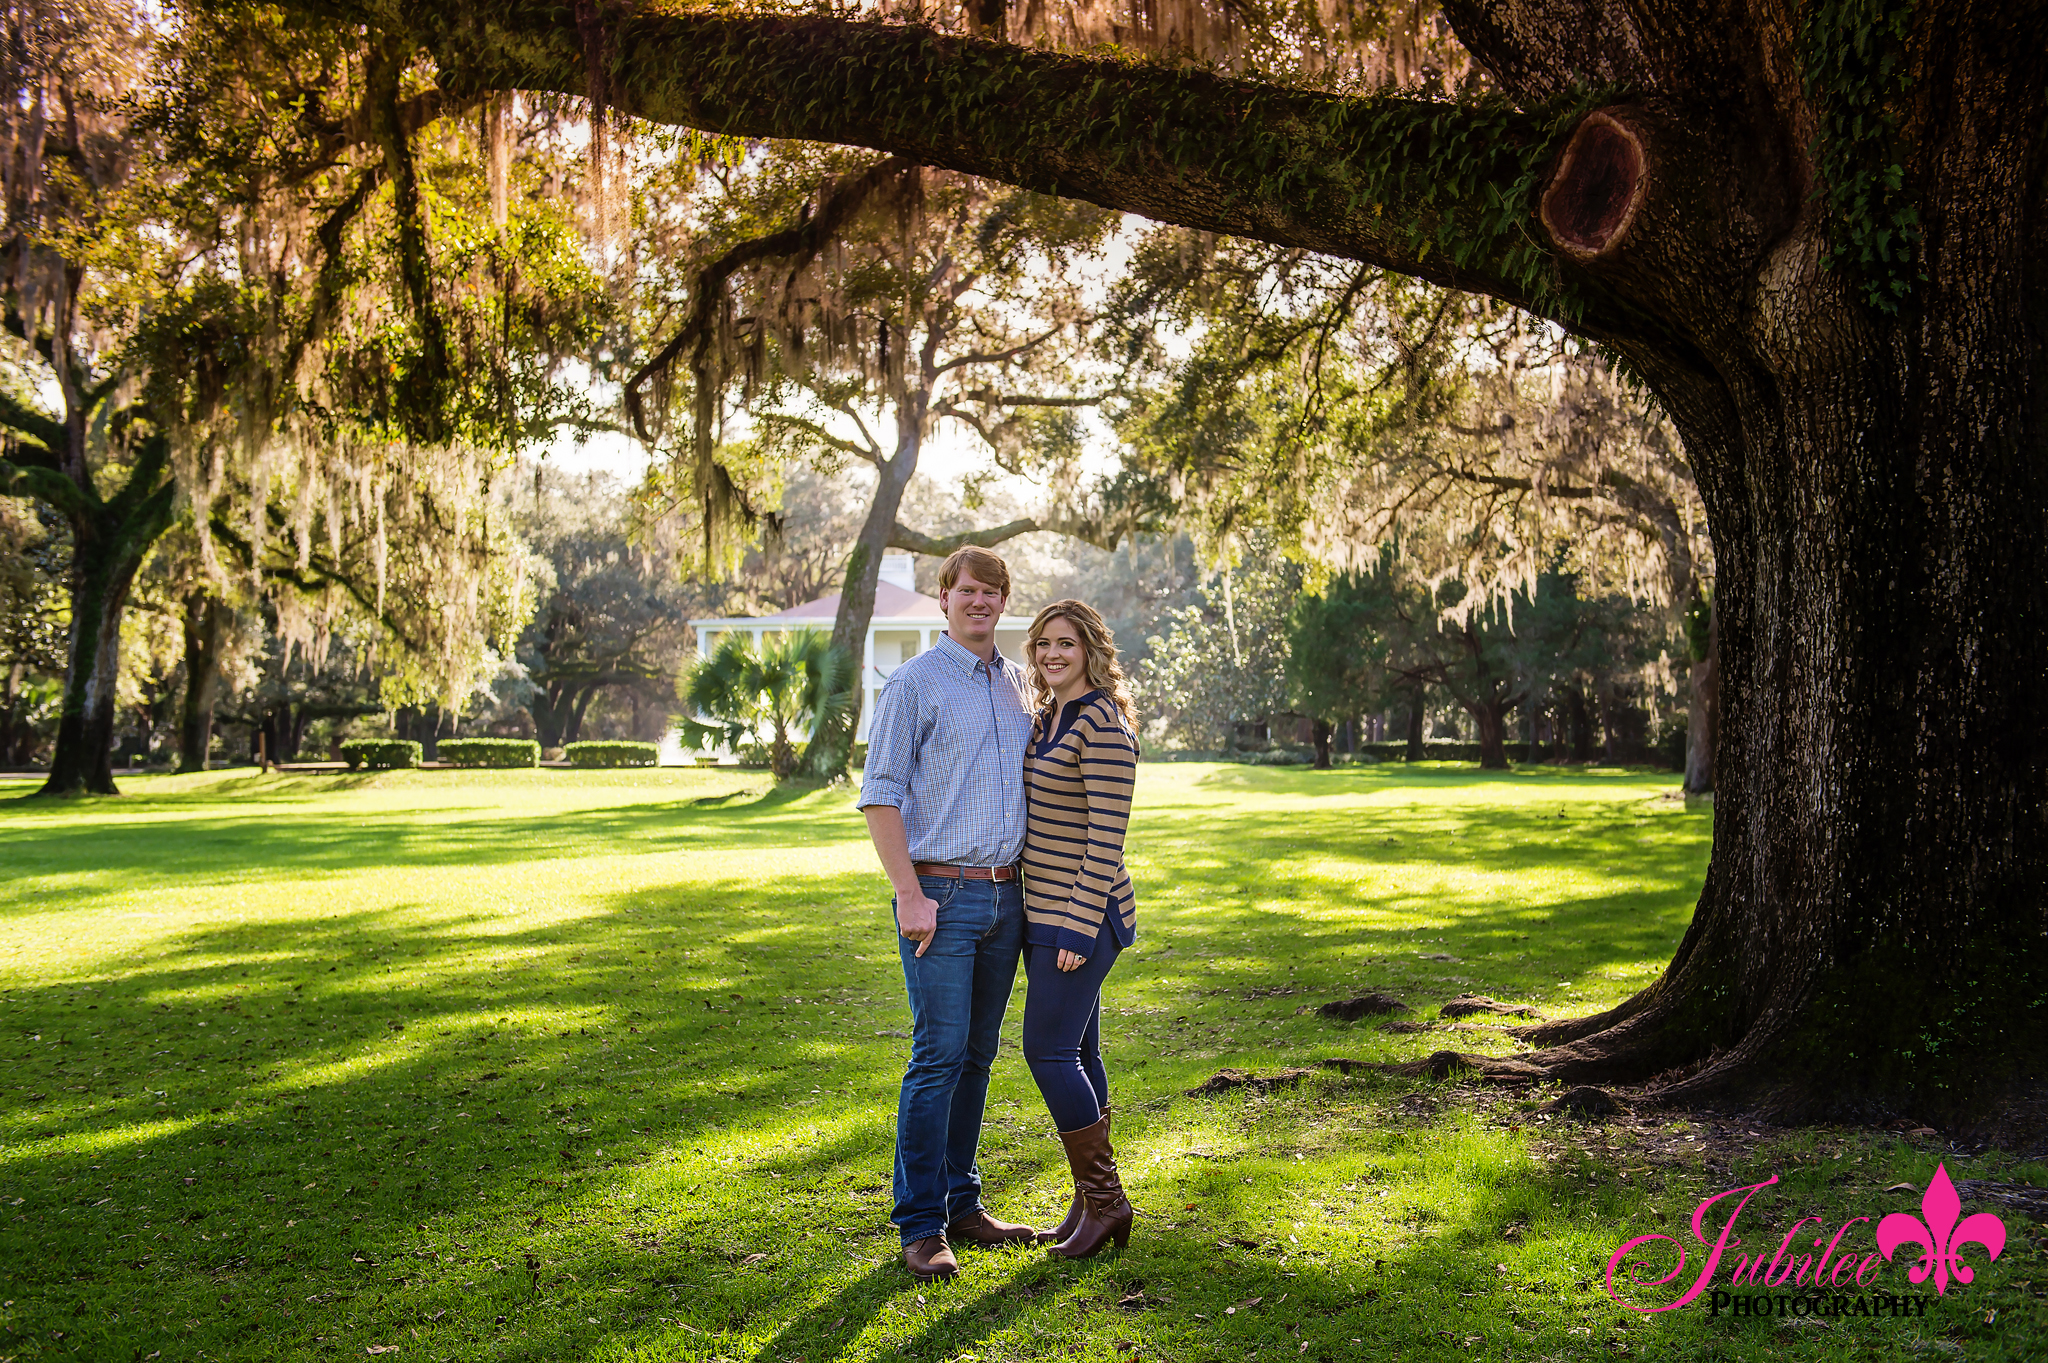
[1443, 191]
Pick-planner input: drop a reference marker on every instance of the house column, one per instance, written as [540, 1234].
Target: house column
[868, 690]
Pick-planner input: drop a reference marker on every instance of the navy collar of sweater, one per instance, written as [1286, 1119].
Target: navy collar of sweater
[1069, 712]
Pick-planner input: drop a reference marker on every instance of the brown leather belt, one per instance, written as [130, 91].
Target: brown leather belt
[937, 868]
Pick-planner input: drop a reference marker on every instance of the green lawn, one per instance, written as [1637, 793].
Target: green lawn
[564, 1065]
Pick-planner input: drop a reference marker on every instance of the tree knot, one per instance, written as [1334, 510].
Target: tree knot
[1593, 197]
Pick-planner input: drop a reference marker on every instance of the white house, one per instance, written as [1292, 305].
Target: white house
[904, 625]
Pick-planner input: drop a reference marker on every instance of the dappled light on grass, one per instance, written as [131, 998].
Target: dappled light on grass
[489, 1066]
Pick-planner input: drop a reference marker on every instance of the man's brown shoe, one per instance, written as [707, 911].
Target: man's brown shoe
[930, 1259]
[979, 1228]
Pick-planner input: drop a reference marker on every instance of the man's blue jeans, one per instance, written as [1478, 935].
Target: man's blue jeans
[959, 990]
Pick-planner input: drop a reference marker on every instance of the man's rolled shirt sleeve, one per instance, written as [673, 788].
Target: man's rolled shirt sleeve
[892, 746]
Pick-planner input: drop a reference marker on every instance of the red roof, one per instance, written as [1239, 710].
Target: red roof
[891, 603]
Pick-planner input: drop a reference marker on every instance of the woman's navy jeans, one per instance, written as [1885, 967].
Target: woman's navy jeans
[1063, 1032]
[959, 990]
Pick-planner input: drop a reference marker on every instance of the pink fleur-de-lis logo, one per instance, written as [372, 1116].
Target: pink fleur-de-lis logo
[1939, 1237]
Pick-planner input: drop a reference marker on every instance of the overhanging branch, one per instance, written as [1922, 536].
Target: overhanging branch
[917, 542]
[1104, 532]
[1442, 191]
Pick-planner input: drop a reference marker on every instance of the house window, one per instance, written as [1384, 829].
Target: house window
[893, 648]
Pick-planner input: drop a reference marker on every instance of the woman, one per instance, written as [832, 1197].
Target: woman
[1078, 908]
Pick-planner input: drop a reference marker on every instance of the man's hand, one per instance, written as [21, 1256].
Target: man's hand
[1067, 961]
[917, 913]
[917, 918]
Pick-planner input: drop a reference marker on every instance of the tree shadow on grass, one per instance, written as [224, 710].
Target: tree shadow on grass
[211, 850]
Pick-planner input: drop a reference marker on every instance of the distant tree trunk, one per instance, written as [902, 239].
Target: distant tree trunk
[205, 620]
[572, 732]
[1492, 722]
[1703, 713]
[1320, 734]
[1579, 722]
[10, 715]
[781, 753]
[1415, 750]
[552, 706]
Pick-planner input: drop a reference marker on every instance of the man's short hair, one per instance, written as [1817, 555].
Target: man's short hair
[985, 565]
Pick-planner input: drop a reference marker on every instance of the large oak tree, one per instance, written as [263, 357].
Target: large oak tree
[1818, 232]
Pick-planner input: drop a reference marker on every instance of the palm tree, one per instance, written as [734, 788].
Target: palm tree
[793, 683]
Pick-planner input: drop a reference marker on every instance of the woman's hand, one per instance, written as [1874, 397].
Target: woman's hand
[1069, 961]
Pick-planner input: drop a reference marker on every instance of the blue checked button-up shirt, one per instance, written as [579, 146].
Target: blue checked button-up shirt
[946, 747]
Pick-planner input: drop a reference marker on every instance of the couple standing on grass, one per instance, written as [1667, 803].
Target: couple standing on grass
[997, 796]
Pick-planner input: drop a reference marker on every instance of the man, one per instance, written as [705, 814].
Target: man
[943, 790]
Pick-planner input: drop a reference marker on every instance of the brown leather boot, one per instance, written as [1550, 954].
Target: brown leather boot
[1105, 1213]
[979, 1228]
[930, 1259]
[1073, 1217]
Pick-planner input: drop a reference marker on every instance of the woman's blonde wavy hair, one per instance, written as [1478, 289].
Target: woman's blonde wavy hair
[1105, 673]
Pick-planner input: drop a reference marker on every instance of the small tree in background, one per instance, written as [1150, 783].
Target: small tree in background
[1337, 648]
[791, 684]
[1222, 664]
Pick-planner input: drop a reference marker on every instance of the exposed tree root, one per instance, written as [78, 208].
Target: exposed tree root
[1635, 1043]
[1374, 1004]
[1467, 1005]
[1223, 1081]
[1584, 1101]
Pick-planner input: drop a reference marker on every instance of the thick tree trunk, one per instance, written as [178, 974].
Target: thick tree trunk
[1871, 933]
[1414, 751]
[1492, 722]
[1703, 713]
[103, 570]
[205, 620]
[1320, 735]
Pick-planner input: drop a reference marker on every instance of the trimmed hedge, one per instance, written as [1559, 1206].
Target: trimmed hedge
[380, 754]
[490, 752]
[611, 754]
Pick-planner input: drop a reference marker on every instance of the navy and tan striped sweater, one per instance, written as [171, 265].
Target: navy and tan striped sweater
[1077, 780]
